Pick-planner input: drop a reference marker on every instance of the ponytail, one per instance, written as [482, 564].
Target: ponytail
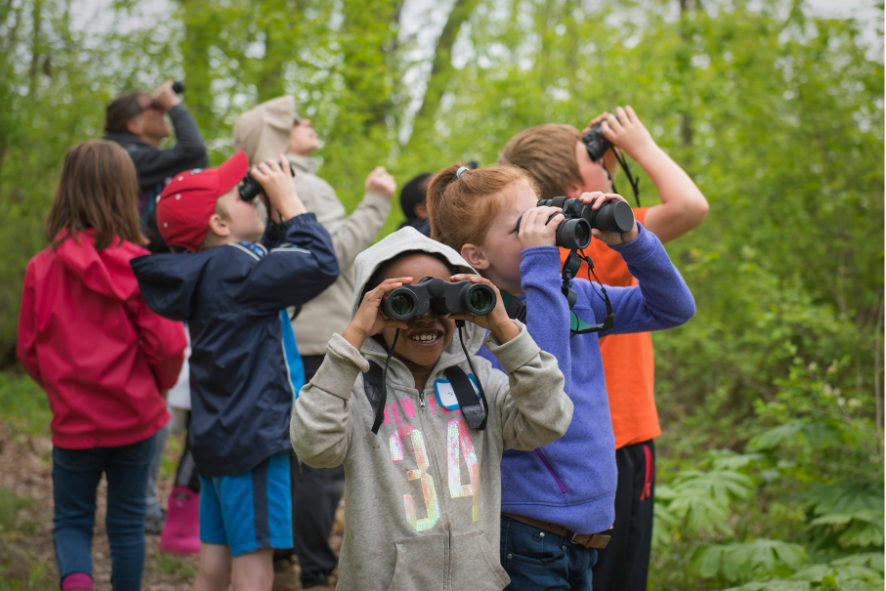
[463, 206]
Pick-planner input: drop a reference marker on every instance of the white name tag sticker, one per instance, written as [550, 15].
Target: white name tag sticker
[446, 395]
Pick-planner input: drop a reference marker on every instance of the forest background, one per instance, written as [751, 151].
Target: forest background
[771, 462]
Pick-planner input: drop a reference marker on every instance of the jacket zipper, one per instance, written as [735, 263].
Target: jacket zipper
[444, 509]
[650, 470]
[544, 460]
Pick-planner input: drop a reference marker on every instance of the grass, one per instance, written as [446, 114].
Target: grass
[173, 565]
[18, 571]
[10, 504]
[23, 405]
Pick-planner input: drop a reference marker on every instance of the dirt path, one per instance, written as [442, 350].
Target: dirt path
[25, 469]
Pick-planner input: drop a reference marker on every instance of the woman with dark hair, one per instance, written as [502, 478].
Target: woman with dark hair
[86, 336]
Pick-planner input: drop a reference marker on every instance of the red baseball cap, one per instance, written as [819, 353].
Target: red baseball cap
[188, 201]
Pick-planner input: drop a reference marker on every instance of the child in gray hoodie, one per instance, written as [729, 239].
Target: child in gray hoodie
[428, 519]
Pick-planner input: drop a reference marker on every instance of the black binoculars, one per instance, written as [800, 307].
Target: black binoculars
[441, 297]
[575, 230]
[250, 188]
[595, 142]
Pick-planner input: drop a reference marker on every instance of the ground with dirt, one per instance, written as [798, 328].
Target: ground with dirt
[26, 510]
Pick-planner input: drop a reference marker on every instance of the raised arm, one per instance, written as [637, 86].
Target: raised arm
[662, 299]
[355, 233]
[304, 263]
[320, 425]
[534, 408]
[189, 152]
[293, 273]
[683, 207]
[547, 317]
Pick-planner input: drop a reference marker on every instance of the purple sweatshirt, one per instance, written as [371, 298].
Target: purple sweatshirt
[571, 482]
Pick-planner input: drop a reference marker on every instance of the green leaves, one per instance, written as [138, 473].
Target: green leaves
[851, 513]
[743, 560]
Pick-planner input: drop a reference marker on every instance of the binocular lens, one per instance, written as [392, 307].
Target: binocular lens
[400, 305]
[574, 233]
[481, 300]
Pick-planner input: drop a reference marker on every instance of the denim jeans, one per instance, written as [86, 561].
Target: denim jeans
[75, 477]
[153, 508]
[537, 560]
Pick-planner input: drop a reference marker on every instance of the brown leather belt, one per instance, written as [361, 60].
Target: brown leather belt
[598, 541]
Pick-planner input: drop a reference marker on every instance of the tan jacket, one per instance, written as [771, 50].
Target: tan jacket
[263, 133]
[423, 496]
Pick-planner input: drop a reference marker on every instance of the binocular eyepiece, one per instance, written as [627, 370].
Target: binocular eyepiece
[250, 188]
[178, 87]
[441, 297]
[575, 230]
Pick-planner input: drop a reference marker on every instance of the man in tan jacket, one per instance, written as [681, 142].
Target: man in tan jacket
[266, 131]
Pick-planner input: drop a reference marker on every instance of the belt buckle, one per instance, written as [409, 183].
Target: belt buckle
[576, 542]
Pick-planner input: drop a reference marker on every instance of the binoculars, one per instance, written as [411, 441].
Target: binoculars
[441, 297]
[250, 188]
[575, 231]
[596, 143]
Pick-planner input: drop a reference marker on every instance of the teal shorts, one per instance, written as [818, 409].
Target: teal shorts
[249, 511]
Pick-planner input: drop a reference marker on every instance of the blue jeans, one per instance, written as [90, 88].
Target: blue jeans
[75, 477]
[537, 560]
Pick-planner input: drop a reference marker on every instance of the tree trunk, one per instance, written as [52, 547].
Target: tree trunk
[195, 54]
[441, 70]
[37, 19]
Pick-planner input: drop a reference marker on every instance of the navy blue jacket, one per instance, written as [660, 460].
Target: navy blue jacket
[232, 297]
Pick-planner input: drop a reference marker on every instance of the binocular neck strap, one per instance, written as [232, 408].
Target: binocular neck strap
[467, 397]
[376, 389]
[379, 388]
[513, 306]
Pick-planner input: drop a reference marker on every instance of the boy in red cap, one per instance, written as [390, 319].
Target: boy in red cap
[245, 371]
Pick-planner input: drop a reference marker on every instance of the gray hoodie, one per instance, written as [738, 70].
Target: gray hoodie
[263, 133]
[423, 497]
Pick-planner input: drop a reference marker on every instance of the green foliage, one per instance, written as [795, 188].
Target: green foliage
[770, 466]
[10, 504]
[23, 405]
[742, 559]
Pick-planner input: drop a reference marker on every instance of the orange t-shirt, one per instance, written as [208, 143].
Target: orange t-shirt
[628, 361]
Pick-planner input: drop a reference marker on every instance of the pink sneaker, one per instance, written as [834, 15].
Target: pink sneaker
[181, 533]
[77, 582]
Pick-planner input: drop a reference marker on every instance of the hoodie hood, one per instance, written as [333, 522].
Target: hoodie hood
[409, 240]
[169, 281]
[263, 132]
[105, 271]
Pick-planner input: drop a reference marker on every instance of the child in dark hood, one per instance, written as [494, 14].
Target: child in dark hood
[244, 367]
[423, 493]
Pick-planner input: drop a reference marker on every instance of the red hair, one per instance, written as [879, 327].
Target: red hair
[463, 208]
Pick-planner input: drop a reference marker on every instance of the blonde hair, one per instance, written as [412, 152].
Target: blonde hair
[463, 208]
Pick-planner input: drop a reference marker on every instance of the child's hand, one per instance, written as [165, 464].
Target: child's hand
[535, 229]
[276, 180]
[596, 200]
[369, 320]
[628, 133]
[379, 181]
[496, 321]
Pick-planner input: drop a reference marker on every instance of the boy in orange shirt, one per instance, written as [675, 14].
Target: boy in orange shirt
[557, 159]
